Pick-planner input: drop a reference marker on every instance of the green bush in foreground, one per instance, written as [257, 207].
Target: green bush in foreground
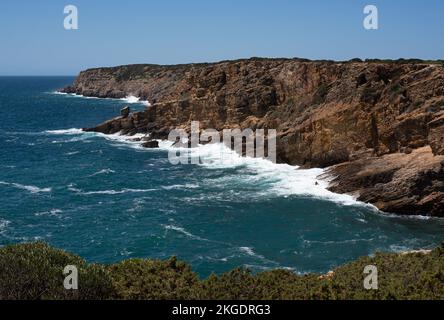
[34, 271]
[154, 280]
[400, 276]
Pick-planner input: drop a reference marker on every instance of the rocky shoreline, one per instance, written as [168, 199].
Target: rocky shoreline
[378, 127]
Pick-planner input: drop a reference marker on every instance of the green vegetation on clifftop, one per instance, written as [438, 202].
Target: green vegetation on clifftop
[35, 271]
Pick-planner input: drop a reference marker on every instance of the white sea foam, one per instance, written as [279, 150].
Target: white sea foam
[409, 217]
[132, 99]
[249, 251]
[336, 242]
[282, 179]
[72, 153]
[73, 95]
[279, 179]
[52, 212]
[103, 171]
[181, 186]
[71, 187]
[399, 248]
[124, 139]
[72, 131]
[183, 231]
[113, 192]
[80, 135]
[3, 225]
[31, 189]
[129, 99]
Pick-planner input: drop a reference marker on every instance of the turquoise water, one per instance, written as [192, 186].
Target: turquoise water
[107, 199]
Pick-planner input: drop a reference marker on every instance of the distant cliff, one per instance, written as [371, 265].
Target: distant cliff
[378, 126]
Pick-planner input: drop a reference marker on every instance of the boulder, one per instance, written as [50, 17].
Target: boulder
[151, 144]
[125, 112]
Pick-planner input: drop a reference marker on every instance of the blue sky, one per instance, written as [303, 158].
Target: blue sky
[34, 42]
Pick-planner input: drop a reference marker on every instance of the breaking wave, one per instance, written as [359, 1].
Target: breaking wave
[111, 192]
[104, 171]
[128, 99]
[278, 179]
[184, 232]
[31, 189]
[282, 179]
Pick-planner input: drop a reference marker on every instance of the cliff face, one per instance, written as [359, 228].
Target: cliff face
[379, 127]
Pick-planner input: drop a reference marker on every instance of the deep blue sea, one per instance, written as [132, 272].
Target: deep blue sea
[107, 199]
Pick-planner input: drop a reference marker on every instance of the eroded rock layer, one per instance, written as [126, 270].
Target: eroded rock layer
[378, 126]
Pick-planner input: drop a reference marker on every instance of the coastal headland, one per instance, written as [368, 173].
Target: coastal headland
[376, 126]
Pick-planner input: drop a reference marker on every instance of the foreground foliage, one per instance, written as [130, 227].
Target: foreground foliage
[34, 271]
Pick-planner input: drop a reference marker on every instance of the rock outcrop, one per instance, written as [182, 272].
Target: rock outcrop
[399, 183]
[125, 112]
[378, 126]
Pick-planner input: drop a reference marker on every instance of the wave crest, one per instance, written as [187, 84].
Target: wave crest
[31, 189]
[281, 180]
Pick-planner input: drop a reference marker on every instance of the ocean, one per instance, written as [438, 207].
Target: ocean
[106, 198]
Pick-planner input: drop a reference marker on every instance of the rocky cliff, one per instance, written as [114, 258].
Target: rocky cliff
[377, 126]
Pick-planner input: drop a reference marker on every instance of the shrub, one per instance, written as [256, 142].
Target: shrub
[237, 284]
[35, 271]
[154, 280]
[400, 276]
[287, 285]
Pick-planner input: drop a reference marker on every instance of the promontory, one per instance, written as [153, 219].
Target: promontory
[377, 126]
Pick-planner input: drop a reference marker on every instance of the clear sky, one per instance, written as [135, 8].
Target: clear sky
[33, 40]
